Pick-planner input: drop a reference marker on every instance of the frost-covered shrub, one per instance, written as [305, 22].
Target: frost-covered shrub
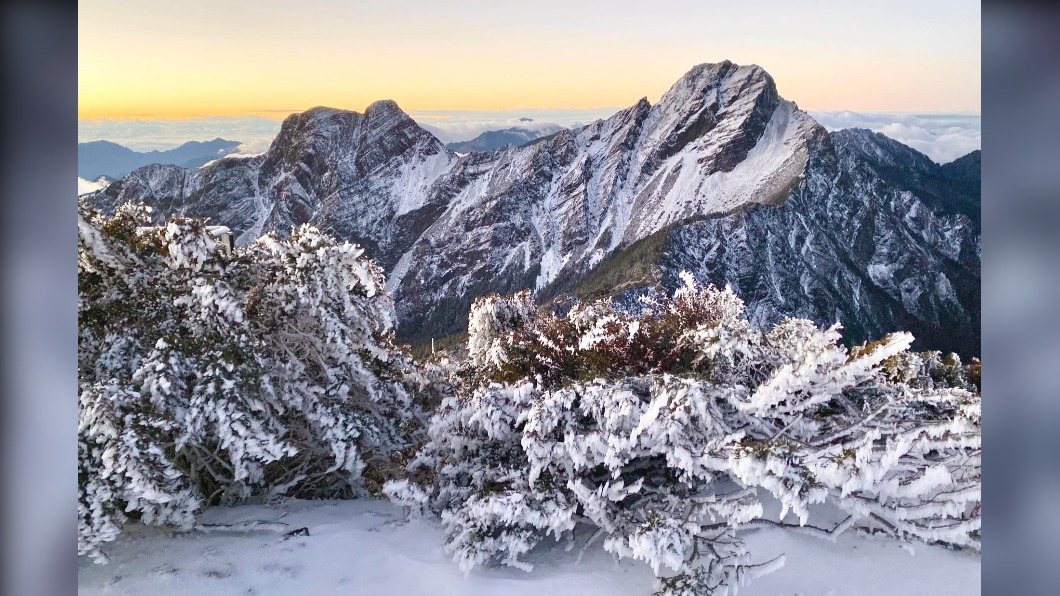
[207, 377]
[491, 321]
[662, 433]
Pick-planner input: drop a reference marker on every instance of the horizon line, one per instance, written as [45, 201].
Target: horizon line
[410, 112]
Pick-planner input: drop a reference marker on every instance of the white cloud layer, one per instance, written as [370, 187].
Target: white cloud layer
[942, 137]
[255, 147]
[255, 132]
[84, 186]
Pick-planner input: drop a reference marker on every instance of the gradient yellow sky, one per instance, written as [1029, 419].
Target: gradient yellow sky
[176, 59]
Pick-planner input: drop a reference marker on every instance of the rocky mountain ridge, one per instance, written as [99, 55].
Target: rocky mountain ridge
[721, 177]
[498, 139]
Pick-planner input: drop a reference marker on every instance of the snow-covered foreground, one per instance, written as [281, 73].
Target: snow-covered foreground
[366, 547]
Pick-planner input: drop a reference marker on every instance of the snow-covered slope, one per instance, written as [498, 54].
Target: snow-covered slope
[720, 139]
[859, 229]
[854, 242]
[365, 547]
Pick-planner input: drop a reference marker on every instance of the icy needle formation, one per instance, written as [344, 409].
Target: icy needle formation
[722, 178]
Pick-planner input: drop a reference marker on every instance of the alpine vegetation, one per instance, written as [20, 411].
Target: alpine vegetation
[666, 433]
[208, 376]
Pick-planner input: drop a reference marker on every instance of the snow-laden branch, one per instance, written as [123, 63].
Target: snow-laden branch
[206, 377]
[666, 430]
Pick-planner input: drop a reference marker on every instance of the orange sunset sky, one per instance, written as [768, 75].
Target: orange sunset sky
[166, 59]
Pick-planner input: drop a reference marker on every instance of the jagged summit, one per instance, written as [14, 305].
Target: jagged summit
[321, 113]
[722, 177]
[710, 75]
[384, 107]
[383, 113]
[319, 120]
[717, 87]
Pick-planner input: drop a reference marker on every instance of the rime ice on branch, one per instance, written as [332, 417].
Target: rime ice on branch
[661, 433]
[207, 377]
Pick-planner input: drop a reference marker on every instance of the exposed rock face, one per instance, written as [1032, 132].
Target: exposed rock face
[721, 177]
[544, 215]
[361, 177]
[849, 244]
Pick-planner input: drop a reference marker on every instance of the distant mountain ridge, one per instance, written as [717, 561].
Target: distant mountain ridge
[953, 187]
[498, 139]
[722, 177]
[104, 158]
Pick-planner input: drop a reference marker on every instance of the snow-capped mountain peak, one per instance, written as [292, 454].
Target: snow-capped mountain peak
[722, 177]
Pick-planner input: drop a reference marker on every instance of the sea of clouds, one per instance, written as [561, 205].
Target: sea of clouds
[942, 137]
[254, 132]
[257, 132]
[84, 186]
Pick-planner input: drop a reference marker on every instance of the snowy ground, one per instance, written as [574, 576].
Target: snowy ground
[365, 547]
